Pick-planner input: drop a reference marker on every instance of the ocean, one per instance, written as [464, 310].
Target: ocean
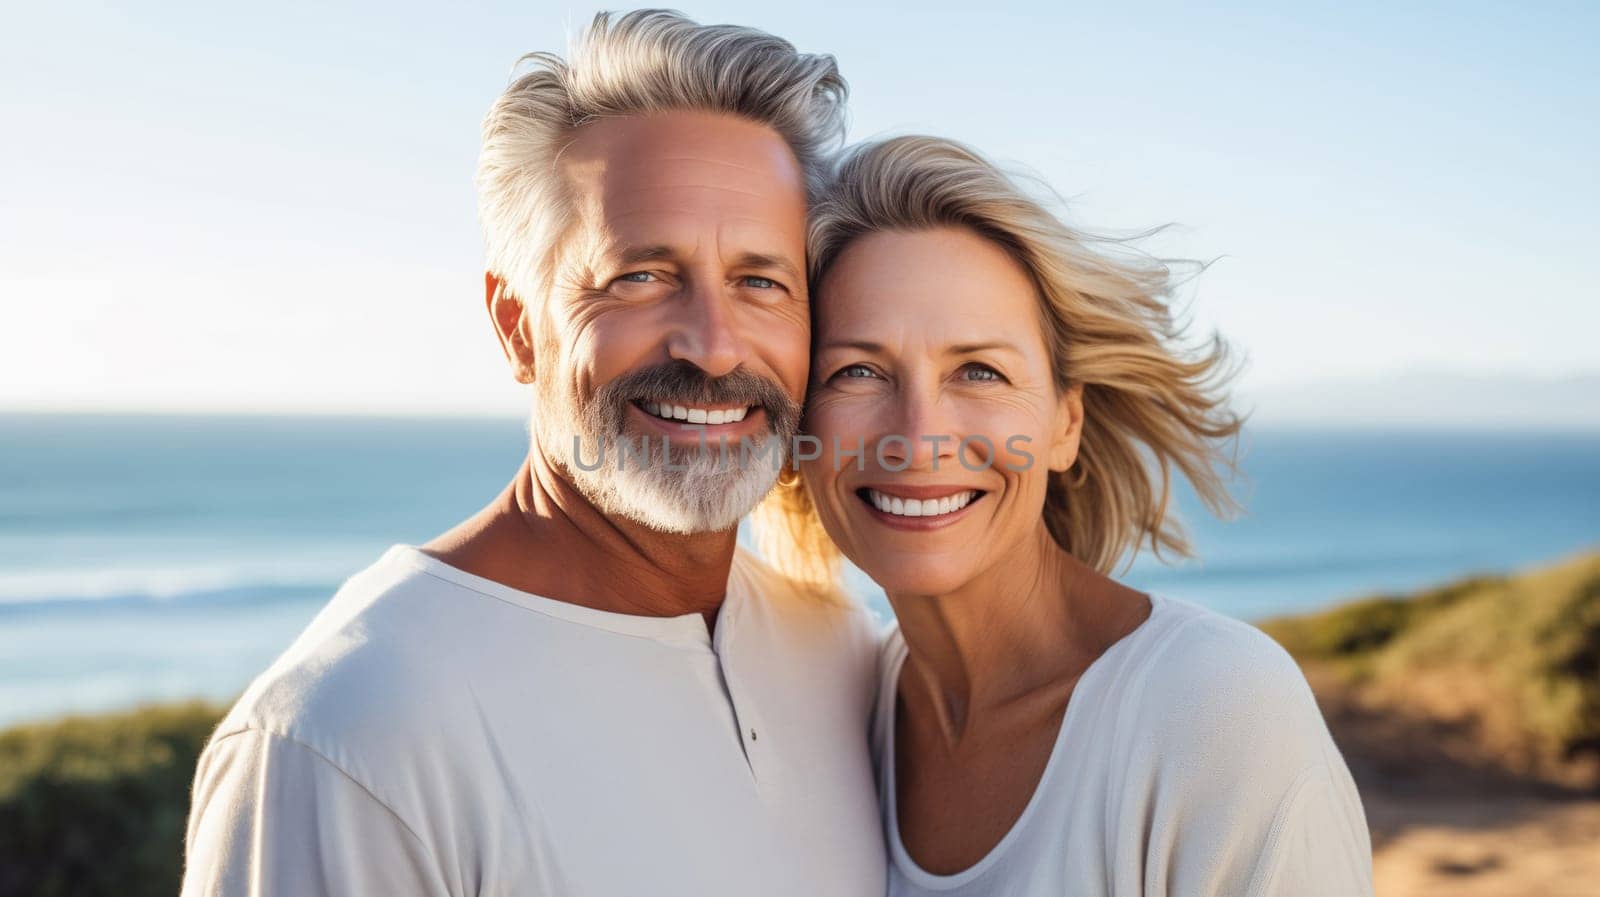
[151, 557]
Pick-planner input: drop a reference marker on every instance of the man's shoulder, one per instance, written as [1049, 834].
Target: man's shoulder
[368, 668]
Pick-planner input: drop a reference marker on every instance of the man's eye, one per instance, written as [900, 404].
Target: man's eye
[760, 283]
[981, 373]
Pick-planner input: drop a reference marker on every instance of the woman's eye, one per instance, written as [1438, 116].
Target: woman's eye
[981, 373]
[637, 277]
[760, 283]
[856, 372]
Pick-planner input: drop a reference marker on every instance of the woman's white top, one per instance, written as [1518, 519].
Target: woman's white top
[1192, 761]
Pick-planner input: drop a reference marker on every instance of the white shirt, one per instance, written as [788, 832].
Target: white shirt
[436, 733]
[1192, 761]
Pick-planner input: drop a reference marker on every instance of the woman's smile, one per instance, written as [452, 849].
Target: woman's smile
[917, 508]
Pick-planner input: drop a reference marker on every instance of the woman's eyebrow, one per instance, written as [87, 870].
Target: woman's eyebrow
[975, 348]
[957, 349]
[863, 345]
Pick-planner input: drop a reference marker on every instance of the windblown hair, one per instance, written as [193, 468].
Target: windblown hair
[1108, 326]
[639, 63]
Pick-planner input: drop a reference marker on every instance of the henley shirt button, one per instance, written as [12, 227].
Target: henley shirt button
[752, 735]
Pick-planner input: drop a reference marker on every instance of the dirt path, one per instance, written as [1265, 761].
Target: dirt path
[1446, 822]
[1499, 847]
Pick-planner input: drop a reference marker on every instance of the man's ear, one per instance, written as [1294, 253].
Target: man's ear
[511, 325]
[1068, 429]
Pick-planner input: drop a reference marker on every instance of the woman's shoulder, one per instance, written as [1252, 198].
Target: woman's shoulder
[1224, 652]
[1214, 681]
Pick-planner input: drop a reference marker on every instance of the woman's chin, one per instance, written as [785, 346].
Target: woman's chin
[918, 576]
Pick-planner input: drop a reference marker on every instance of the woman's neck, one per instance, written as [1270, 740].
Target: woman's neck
[1009, 639]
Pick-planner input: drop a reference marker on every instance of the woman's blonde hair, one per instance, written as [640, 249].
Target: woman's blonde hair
[1108, 325]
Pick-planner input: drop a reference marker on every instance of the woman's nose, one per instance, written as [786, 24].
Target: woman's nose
[924, 436]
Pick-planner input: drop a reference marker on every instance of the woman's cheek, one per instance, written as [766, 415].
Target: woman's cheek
[840, 425]
[1016, 453]
[1019, 441]
[820, 464]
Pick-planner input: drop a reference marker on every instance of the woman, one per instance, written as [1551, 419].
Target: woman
[986, 386]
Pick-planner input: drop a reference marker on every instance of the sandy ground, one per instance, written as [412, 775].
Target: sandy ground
[1447, 823]
[1504, 847]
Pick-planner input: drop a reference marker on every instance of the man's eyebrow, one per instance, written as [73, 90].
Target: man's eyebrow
[763, 260]
[633, 255]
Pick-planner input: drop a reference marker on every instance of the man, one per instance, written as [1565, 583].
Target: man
[587, 688]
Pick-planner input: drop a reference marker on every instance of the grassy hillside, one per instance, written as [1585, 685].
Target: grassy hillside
[96, 805]
[1513, 659]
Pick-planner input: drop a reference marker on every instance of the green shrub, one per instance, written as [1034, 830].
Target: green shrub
[1517, 655]
[1357, 629]
[97, 805]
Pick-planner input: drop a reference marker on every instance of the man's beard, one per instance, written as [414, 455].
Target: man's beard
[694, 488]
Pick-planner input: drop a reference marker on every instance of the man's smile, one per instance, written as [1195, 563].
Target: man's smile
[696, 414]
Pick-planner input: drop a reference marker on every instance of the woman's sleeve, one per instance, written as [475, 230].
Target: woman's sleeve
[1247, 794]
[273, 817]
[1318, 845]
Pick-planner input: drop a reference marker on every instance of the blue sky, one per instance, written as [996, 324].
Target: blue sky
[269, 206]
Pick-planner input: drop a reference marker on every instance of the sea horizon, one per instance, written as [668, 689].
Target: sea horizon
[160, 556]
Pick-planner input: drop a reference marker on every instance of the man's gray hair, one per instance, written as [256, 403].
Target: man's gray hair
[638, 63]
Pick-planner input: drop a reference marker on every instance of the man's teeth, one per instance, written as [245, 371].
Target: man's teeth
[927, 507]
[669, 411]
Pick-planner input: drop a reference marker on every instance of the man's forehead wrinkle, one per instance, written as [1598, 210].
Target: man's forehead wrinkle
[768, 251]
[763, 161]
[578, 154]
[731, 224]
[737, 206]
[723, 162]
[662, 218]
[681, 136]
[669, 174]
[622, 194]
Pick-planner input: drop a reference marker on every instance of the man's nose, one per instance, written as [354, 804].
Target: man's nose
[923, 436]
[703, 331]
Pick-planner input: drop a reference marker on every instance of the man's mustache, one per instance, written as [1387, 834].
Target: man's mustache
[681, 382]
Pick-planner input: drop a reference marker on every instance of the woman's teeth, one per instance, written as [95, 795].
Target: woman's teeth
[668, 411]
[928, 507]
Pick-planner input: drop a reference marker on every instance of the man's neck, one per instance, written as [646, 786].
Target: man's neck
[541, 535]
